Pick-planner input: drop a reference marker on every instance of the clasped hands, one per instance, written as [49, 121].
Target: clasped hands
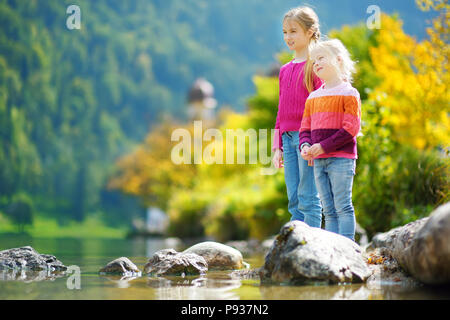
[310, 152]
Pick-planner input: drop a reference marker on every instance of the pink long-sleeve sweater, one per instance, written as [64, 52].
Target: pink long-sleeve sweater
[291, 103]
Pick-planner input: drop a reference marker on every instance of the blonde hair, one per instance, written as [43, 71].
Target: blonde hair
[308, 20]
[334, 49]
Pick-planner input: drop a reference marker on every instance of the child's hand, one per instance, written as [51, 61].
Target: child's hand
[316, 150]
[305, 153]
[277, 159]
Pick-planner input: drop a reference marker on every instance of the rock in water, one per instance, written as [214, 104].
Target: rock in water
[26, 258]
[121, 265]
[302, 254]
[171, 262]
[217, 255]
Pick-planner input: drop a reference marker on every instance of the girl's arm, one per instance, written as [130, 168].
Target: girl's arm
[305, 128]
[351, 125]
[277, 139]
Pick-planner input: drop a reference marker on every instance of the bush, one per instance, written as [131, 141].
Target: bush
[400, 188]
[20, 211]
[186, 211]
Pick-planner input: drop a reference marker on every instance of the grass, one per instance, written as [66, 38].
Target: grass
[42, 227]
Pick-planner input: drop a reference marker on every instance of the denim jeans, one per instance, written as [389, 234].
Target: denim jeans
[334, 181]
[303, 198]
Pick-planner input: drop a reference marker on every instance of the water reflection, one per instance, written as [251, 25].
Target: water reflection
[29, 276]
[121, 282]
[320, 292]
[215, 285]
[200, 288]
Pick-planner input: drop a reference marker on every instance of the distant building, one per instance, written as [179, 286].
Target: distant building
[201, 102]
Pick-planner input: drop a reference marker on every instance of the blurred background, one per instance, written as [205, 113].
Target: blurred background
[86, 115]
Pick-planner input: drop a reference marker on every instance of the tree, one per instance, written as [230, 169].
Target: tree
[20, 211]
[414, 92]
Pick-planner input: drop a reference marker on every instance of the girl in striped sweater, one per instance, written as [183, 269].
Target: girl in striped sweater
[331, 122]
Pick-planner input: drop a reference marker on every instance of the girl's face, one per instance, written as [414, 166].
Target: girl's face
[324, 65]
[294, 35]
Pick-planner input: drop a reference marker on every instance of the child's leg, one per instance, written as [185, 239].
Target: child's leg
[341, 172]
[323, 185]
[308, 197]
[291, 174]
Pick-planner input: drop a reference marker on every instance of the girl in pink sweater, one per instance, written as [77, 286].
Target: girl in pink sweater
[297, 80]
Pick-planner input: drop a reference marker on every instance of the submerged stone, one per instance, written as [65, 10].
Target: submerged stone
[121, 265]
[27, 258]
[26, 264]
[171, 262]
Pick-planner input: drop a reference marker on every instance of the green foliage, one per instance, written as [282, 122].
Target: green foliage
[20, 211]
[72, 101]
[186, 210]
[400, 188]
[358, 39]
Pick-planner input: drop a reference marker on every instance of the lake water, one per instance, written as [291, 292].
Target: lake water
[90, 255]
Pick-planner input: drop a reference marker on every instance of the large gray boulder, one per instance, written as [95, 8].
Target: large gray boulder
[422, 247]
[217, 255]
[26, 258]
[428, 256]
[396, 236]
[122, 266]
[302, 254]
[171, 262]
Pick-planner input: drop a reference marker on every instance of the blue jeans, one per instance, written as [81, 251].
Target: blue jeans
[334, 181]
[303, 198]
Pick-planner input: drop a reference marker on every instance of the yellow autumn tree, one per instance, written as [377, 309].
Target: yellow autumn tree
[149, 172]
[413, 93]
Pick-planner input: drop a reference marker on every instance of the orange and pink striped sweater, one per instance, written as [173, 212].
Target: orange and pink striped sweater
[332, 117]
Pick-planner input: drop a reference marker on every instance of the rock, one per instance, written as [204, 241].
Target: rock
[422, 247]
[426, 253]
[388, 239]
[26, 258]
[386, 270]
[302, 254]
[171, 262]
[121, 265]
[217, 255]
[267, 244]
